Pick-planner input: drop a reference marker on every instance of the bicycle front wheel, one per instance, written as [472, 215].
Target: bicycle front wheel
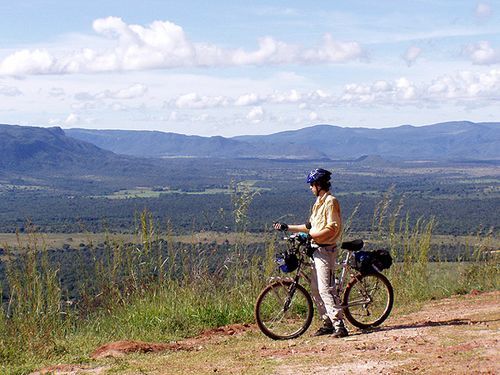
[284, 310]
[368, 300]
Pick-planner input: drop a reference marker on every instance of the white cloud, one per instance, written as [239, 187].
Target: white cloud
[354, 92]
[381, 86]
[292, 96]
[164, 45]
[321, 94]
[9, 91]
[482, 53]
[195, 101]
[132, 92]
[269, 51]
[313, 116]
[332, 51]
[272, 51]
[56, 92]
[28, 62]
[84, 106]
[256, 114]
[405, 89]
[401, 91]
[247, 99]
[173, 116]
[72, 119]
[411, 55]
[483, 10]
[466, 85]
[85, 96]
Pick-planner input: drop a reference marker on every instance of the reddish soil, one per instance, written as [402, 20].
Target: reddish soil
[120, 348]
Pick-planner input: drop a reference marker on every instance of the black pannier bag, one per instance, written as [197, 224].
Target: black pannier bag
[382, 259]
[365, 260]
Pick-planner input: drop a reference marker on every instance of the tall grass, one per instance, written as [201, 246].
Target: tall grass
[34, 316]
[148, 289]
[415, 275]
[484, 268]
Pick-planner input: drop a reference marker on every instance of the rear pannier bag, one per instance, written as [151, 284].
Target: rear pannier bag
[365, 260]
[382, 259]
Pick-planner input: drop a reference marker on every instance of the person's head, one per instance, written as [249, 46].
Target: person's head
[319, 179]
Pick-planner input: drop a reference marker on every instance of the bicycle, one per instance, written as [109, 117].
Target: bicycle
[284, 308]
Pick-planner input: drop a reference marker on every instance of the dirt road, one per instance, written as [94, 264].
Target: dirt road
[459, 335]
[453, 336]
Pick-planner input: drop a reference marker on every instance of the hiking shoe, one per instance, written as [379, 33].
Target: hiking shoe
[324, 331]
[340, 332]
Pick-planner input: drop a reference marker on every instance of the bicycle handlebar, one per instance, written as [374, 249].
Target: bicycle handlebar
[304, 241]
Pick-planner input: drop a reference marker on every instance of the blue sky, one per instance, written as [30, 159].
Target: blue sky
[230, 68]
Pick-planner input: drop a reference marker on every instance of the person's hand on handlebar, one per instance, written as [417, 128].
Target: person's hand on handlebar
[304, 236]
[280, 226]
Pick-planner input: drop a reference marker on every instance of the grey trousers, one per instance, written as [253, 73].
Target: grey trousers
[323, 286]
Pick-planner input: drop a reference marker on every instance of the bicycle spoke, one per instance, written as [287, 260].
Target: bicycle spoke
[369, 300]
[281, 315]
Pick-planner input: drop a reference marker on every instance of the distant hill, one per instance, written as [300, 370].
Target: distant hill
[27, 147]
[49, 155]
[445, 141]
[160, 144]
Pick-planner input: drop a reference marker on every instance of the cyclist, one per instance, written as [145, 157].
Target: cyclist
[324, 227]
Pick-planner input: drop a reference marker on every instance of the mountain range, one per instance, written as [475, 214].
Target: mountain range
[121, 152]
[460, 140]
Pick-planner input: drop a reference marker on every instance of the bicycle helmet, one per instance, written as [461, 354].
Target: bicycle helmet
[318, 174]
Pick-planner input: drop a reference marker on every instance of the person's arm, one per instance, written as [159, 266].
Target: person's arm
[291, 227]
[298, 228]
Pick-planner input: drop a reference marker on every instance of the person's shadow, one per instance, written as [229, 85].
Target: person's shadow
[427, 323]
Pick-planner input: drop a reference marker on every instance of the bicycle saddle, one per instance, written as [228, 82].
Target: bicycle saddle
[352, 245]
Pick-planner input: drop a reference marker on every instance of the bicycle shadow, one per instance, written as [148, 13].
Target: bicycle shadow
[427, 323]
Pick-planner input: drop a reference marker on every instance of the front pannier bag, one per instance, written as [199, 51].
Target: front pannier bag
[287, 262]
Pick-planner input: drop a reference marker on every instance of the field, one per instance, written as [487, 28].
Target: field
[463, 197]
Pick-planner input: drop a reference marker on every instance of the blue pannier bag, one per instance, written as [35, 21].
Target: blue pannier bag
[287, 262]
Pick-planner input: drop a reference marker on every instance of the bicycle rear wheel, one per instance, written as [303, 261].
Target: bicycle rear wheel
[368, 299]
[284, 310]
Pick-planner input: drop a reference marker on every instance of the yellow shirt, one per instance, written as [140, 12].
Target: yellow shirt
[326, 214]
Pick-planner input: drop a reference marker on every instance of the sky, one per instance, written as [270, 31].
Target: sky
[258, 67]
